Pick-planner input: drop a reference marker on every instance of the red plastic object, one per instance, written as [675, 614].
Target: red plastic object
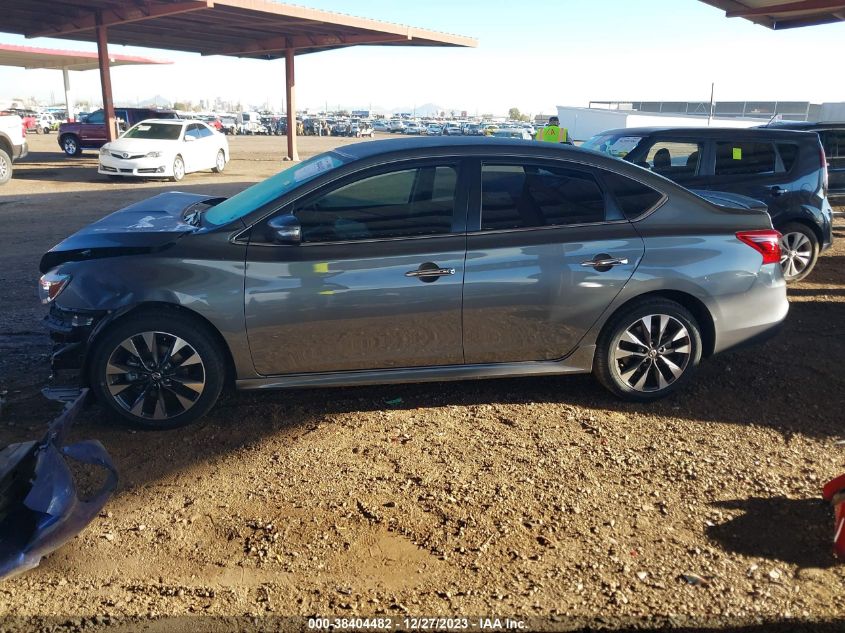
[834, 492]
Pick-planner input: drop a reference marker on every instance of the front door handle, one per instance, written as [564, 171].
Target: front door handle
[778, 191]
[604, 262]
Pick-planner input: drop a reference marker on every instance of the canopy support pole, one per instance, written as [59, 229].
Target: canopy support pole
[105, 78]
[290, 95]
[68, 106]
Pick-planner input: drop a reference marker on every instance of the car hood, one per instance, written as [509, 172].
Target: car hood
[140, 145]
[146, 226]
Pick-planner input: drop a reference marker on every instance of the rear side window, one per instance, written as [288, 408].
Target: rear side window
[525, 196]
[633, 198]
[674, 158]
[744, 158]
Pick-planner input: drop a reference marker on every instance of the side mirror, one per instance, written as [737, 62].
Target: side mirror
[284, 229]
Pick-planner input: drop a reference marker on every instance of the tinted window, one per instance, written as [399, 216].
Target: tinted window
[522, 196]
[204, 131]
[404, 203]
[744, 158]
[834, 143]
[674, 158]
[788, 154]
[96, 118]
[633, 198]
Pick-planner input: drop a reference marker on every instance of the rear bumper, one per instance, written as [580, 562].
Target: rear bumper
[19, 151]
[753, 315]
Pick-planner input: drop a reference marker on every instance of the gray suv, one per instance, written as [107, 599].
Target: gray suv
[410, 261]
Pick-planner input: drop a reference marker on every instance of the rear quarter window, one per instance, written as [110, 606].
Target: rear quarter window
[788, 155]
[633, 198]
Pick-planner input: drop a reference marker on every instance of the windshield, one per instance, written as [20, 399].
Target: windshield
[159, 131]
[617, 145]
[268, 190]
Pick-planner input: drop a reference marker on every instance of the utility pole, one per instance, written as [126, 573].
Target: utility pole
[712, 104]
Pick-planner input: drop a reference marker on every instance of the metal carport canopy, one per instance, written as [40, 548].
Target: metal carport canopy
[258, 29]
[778, 14]
[53, 59]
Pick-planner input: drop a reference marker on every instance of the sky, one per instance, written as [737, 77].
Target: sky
[532, 55]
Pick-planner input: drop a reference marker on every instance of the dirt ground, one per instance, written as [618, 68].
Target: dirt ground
[541, 499]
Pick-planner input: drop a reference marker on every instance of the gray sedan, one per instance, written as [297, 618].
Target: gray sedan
[410, 261]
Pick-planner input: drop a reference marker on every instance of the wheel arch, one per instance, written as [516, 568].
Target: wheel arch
[158, 308]
[696, 307]
[809, 222]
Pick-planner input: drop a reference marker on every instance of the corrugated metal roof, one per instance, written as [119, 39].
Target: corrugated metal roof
[778, 14]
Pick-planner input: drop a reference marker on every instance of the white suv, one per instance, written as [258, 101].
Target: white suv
[12, 144]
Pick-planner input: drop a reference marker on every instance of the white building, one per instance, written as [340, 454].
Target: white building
[583, 123]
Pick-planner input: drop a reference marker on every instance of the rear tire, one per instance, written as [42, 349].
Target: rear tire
[799, 251]
[5, 167]
[157, 371]
[648, 350]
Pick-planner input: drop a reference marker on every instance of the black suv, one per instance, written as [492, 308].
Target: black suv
[783, 169]
[832, 136]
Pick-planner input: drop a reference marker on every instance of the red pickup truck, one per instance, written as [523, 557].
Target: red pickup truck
[91, 133]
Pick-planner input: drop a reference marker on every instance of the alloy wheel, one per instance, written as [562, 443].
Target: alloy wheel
[155, 375]
[221, 161]
[653, 352]
[178, 168]
[5, 168]
[70, 146]
[796, 254]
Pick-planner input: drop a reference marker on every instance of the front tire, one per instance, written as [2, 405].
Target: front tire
[799, 251]
[178, 169]
[70, 145]
[157, 371]
[219, 163]
[648, 350]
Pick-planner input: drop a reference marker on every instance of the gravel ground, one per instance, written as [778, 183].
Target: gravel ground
[543, 499]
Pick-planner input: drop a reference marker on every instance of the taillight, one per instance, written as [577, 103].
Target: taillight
[765, 241]
[823, 158]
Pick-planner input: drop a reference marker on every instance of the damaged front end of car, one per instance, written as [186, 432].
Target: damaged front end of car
[40, 505]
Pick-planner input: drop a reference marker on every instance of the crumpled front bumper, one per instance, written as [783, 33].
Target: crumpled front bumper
[71, 332]
[40, 508]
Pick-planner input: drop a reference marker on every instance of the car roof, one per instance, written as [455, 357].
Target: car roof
[805, 125]
[169, 121]
[707, 132]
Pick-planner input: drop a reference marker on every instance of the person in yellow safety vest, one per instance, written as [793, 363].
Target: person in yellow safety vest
[553, 133]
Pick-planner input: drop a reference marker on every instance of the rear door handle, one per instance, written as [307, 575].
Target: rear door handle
[430, 272]
[604, 262]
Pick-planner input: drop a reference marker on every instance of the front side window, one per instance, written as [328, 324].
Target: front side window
[525, 196]
[404, 203]
[96, 118]
[674, 158]
[744, 158]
